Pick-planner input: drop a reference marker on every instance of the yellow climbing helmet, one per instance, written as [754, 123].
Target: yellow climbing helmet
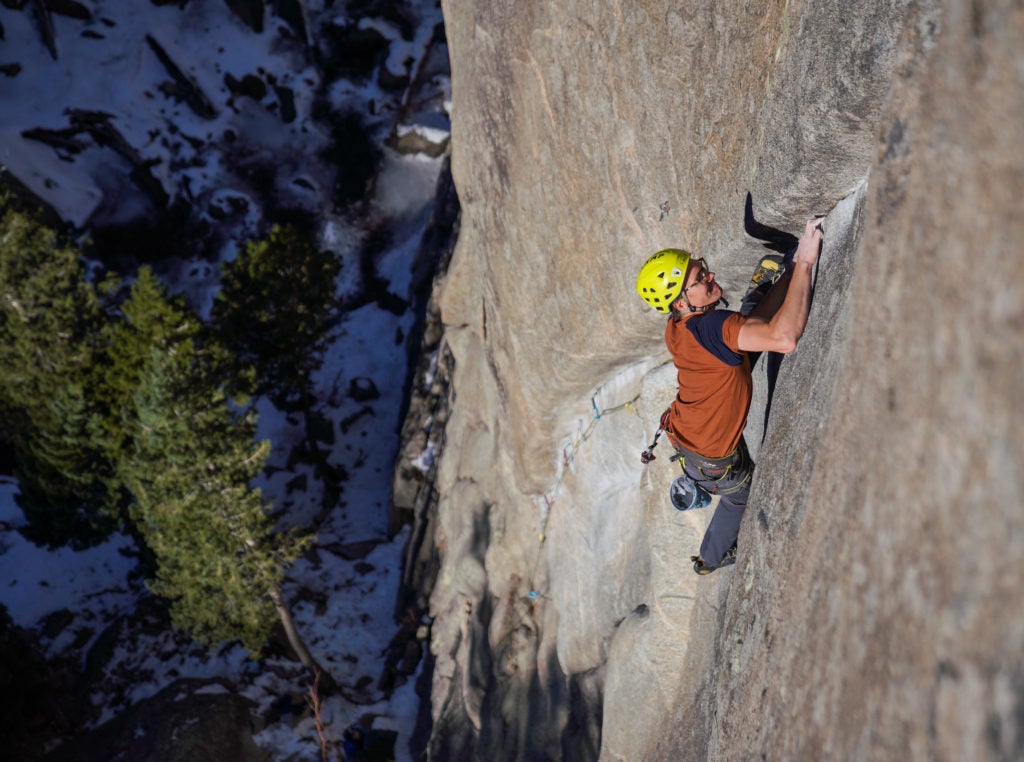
[661, 278]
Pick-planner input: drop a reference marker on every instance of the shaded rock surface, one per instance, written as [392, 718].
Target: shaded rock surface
[188, 720]
[873, 612]
[38, 698]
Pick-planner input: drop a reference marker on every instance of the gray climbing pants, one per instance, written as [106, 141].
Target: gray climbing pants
[729, 478]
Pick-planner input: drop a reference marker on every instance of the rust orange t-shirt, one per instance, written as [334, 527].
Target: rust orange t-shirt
[715, 386]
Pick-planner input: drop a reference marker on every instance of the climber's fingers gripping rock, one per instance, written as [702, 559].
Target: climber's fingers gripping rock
[810, 242]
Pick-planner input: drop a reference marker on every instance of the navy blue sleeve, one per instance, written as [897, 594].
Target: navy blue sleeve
[707, 330]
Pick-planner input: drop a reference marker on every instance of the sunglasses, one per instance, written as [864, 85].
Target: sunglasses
[702, 275]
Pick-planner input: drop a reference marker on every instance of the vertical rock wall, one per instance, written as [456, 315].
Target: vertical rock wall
[877, 613]
[567, 624]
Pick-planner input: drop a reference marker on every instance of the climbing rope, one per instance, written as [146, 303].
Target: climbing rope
[568, 456]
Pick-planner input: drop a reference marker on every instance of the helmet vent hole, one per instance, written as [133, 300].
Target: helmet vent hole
[671, 285]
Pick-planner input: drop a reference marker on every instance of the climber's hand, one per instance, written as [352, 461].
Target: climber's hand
[810, 242]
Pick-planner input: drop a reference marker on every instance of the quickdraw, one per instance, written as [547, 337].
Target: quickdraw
[648, 455]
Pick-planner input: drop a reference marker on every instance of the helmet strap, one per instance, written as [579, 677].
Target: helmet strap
[707, 307]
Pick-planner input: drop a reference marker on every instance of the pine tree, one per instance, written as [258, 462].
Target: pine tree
[192, 461]
[50, 318]
[112, 410]
[275, 311]
[149, 318]
[64, 477]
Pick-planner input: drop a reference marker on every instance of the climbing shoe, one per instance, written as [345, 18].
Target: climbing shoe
[768, 271]
[702, 568]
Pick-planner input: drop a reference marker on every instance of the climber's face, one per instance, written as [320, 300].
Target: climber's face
[701, 287]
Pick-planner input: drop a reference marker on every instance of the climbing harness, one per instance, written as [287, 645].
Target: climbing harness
[715, 470]
[711, 470]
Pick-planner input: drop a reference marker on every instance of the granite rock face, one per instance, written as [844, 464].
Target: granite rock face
[874, 611]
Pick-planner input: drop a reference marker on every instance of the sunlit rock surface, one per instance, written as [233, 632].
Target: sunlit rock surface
[874, 612]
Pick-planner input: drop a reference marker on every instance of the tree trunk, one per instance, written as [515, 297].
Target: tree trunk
[329, 685]
[298, 645]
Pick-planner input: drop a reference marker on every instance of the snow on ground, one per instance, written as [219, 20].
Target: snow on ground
[37, 582]
[343, 606]
[105, 63]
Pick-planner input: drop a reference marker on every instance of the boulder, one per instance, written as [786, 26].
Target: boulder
[188, 720]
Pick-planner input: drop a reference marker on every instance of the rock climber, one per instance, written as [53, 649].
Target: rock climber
[710, 348]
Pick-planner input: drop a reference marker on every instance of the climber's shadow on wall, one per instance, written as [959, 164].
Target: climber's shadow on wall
[783, 244]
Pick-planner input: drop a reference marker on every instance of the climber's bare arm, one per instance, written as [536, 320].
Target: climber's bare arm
[780, 329]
